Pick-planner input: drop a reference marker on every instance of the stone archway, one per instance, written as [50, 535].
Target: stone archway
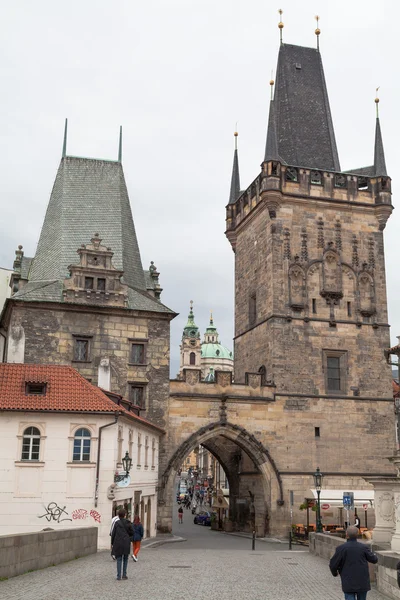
[263, 477]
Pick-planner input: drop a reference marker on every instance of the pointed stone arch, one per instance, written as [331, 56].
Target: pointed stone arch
[246, 441]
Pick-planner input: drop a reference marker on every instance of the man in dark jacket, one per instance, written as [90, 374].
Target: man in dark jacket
[350, 561]
[121, 543]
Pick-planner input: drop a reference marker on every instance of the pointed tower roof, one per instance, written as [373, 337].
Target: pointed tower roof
[271, 146]
[88, 195]
[235, 180]
[379, 154]
[301, 120]
[211, 329]
[191, 329]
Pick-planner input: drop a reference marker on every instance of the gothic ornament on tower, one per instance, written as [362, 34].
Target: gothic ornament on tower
[297, 286]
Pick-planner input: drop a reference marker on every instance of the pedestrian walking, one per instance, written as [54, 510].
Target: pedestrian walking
[137, 537]
[357, 522]
[350, 561]
[180, 514]
[121, 543]
[113, 520]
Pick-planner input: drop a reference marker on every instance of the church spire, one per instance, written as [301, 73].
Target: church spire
[271, 146]
[379, 154]
[191, 330]
[64, 150]
[235, 181]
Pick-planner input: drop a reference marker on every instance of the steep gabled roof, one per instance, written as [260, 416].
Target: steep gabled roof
[88, 196]
[302, 121]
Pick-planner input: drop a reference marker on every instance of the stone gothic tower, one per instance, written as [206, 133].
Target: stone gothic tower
[310, 290]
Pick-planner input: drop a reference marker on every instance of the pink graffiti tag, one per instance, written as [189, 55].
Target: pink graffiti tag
[80, 513]
[96, 516]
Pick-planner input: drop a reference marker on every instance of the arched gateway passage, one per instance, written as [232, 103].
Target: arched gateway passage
[254, 480]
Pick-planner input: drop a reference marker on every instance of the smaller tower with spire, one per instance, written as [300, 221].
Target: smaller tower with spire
[235, 180]
[191, 345]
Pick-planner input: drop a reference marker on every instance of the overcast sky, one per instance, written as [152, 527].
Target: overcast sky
[178, 75]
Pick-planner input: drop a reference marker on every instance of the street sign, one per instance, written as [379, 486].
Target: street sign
[348, 500]
[365, 506]
[325, 506]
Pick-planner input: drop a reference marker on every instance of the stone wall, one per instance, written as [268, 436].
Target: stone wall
[28, 552]
[49, 334]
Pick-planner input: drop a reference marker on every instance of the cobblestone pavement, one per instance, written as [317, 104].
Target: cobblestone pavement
[208, 565]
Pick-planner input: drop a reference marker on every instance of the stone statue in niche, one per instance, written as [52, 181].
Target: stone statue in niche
[331, 275]
[366, 291]
[297, 286]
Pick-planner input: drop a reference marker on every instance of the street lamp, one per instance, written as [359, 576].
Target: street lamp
[318, 477]
[127, 463]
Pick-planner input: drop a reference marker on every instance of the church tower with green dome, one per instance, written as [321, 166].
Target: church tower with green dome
[214, 356]
[191, 344]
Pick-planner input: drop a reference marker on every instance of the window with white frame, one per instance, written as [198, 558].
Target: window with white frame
[146, 452]
[30, 444]
[139, 449]
[153, 453]
[130, 443]
[81, 452]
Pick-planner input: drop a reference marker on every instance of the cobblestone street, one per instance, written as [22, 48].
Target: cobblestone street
[208, 565]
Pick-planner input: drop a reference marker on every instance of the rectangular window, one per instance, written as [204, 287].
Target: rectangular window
[252, 309]
[317, 432]
[333, 364]
[153, 454]
[146, 451]
[349, 309]
[81, 350]
[136, 395]
[139, 449]
[137, 354]
[89, 283]
[101, 284]
[314, 306]
[335, 368]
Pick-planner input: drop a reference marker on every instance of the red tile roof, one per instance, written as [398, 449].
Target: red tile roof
[66, 390]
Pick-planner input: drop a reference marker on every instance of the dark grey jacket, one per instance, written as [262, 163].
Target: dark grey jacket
[121, 537]
[350, 561]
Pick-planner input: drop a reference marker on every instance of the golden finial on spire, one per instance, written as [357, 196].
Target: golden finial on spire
[377, 102]
[317, 31]
[280, 24]
[271, 83]
[236, 135]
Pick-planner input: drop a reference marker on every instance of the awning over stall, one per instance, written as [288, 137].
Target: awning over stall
[335, 497]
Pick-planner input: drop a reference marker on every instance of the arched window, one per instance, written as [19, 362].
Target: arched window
[30, 444]
[192, 358]
[81, 445]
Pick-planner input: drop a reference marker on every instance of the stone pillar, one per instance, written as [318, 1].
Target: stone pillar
[384, 507]
[395, 544]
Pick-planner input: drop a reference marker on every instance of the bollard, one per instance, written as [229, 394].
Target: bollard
[253, 542]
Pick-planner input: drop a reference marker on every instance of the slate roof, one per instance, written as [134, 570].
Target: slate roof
[51, 291]
[302, 120]
[235, 180]
[89, 196]
[66, 390]
[379, 154]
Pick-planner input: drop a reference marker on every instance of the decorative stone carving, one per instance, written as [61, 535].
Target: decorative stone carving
[320, 240]
[338, 235]
[191, 376]
[286, 244]
[366, 289]
[371, 253]
[331, 276]
[304, 248]
[354, 259]
[223, 378]
[254, 380]
[297, 286]
[384, 505]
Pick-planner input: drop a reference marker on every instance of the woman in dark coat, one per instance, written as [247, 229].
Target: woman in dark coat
[121, 543]
[350, 561]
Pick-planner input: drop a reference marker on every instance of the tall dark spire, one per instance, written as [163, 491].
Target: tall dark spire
[300, 128]
[379, 154]
[235, 181]
[271, 147]
[64, 150]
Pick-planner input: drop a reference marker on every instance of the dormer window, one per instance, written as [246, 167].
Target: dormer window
[316, 178]
[291, 174]
[89, 283]
[36, 389]
[362, 183]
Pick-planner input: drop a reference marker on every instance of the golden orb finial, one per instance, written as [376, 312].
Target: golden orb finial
[377, 102]
[317, 31]
[280, 24]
